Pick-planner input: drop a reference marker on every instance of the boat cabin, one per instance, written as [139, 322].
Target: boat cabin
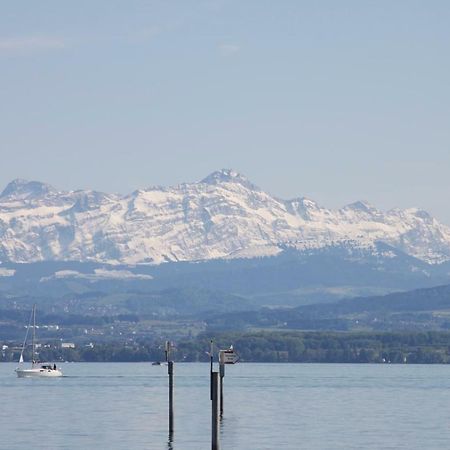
[48, 366]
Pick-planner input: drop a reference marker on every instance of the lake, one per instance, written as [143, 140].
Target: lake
[267, 406]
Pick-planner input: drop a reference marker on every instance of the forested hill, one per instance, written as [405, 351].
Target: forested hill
[429, 299]
[417, 310]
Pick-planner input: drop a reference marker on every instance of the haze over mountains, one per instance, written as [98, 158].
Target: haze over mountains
[224, 216]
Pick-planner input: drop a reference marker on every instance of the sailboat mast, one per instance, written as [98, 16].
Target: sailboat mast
[26, 336]
[34, 332]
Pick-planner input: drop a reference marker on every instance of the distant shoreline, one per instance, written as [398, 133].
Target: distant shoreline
[242, 362]
[262, 347]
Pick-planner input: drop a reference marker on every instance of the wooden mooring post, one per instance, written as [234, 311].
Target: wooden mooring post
[211, 366]
[215, 442]
[221, 377]
[228, 356]
[170, 373]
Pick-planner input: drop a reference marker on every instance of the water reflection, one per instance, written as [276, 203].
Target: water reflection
[170, 441]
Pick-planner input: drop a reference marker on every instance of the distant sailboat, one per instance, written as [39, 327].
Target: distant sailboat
[37, 369]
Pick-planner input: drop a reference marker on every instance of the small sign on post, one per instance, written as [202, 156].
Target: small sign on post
[228, 356]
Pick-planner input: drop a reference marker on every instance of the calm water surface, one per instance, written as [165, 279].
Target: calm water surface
[267, 406]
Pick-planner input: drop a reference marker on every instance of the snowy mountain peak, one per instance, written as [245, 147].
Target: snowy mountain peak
[86, 201]
[422, 214]
[362, 206]
[306, 203]
[304, 207]
[228, 176]
[20, 188]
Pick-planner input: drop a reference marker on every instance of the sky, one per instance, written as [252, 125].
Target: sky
[335, 101]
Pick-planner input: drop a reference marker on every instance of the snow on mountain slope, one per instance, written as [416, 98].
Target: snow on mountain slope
[222, 216]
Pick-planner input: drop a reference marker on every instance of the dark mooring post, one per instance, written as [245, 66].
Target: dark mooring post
[215, 444]
[170, 373]
[211, 358]
[221, 377]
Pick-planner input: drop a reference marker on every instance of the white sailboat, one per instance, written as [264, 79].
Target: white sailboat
[37, 368]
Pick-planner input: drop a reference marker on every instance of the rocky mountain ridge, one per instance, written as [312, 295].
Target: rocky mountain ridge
[222, 216]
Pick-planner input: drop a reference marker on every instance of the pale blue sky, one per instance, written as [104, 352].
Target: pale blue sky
[334, 100]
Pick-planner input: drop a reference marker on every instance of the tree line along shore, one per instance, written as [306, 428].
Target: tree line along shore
[262, 346]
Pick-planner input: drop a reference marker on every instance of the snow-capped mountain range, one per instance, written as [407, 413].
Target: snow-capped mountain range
[222, 216]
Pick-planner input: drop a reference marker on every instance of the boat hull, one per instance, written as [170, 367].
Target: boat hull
[38, 373]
